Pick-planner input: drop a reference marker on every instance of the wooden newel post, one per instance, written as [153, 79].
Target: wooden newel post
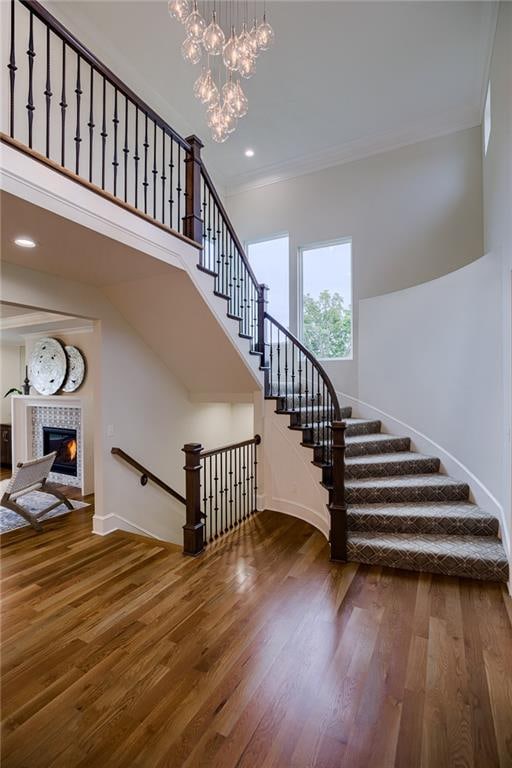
[337, 506]
[192, 221]
[193, 530]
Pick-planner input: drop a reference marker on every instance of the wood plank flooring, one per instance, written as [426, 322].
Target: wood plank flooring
[119, 652]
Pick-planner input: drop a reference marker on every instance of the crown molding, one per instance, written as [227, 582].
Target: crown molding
[359, 149]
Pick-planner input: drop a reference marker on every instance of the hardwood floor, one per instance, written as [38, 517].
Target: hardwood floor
[120, 652]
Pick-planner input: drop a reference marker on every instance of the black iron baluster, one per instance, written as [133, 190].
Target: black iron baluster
[126, 151]
[63, 106]
[136, 157]
[293, 377]
[12, 68]
[216, 480]
[255, 477]
[163, 177]
[231, 489]
[244, 481]
[78, 92]
[271, 360]
[205, 496]
[278, 350]
[155, 170]
[171, 186]
[179, 227]
[211, 500]
[91, 122]
[209, 240]
[203, 251]
[103, 134]
[48, 92]
[299, 361]
[31, 55]
[115, 162]
[146, 146]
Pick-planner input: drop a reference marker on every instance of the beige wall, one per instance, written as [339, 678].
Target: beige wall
[414, 214]
[497, 166]
[11, 375]
[139, 405]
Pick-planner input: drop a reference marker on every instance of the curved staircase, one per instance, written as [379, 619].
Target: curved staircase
[401, 510]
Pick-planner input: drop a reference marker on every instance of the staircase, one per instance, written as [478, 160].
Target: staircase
[401, 511]
[387, 504]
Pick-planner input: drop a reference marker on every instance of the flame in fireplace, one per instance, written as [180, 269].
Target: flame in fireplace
[71, 449]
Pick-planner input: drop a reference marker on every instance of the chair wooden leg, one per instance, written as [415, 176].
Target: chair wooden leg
[36, 525]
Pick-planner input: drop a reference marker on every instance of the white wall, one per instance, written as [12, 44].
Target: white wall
[497, 176]
[137, 396]
[429, 357]
[414, 214]
[11, 375]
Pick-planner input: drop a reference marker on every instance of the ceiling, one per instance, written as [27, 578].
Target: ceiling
[344, 79]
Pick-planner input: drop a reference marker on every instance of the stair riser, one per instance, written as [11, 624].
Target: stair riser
[407, 494]
[307, 416]
[484, 526]
[393, 445]
[388, 469]
[448, 566]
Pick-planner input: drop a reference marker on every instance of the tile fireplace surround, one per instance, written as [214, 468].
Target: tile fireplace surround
[30, 413]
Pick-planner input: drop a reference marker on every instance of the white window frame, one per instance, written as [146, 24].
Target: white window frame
[300, 290]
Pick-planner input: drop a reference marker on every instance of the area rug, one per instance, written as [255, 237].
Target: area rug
[33, 502]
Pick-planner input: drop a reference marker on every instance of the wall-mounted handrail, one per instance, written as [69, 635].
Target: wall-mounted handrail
[146, 475]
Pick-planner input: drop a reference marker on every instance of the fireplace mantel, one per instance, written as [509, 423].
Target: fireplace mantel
[25, 409]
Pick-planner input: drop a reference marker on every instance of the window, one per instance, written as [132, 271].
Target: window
[487, 118]
[269, 260]
[327, 299]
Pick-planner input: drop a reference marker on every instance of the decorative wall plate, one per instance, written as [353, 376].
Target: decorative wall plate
[47, 366]
[76, 369]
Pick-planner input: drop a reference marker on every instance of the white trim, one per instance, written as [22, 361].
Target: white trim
[479, 493]
[103, 525]
[359, 149]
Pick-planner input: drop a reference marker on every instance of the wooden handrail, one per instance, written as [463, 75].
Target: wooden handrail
[55, 25]
[256, 440]
[147, 475]
[314, 362]
[231, 229]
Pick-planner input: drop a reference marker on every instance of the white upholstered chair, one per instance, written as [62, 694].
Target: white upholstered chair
[32, 476]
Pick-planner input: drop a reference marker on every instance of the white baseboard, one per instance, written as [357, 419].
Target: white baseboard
[102, 526]
[479, 493]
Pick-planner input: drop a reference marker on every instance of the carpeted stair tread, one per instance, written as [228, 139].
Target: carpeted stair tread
[353, 427]
[433, 487]
[386, 464]
[479, 557]
[365, 445]
[449, 518]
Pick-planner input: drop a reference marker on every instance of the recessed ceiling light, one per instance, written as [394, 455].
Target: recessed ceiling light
[249, 152]
[25, 242]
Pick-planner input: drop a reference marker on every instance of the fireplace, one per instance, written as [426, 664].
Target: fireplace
[65, 443]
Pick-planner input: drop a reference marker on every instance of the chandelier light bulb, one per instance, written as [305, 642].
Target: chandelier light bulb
[200, 83]
[191, 50]
[265, 35]
[215, 117]
[219, 134]
[229, 118]
[229, 93]
[230, 52]
[243, 43]
[213, 38]
[253, 40]
[179, 9]
[247, 66]
[195, 25]
[240, 104]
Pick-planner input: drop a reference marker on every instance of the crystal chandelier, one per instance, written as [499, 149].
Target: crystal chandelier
[221, 31]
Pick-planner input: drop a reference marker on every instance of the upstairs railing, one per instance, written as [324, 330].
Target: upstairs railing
[64, 107]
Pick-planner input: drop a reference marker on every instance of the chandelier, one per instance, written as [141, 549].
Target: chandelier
[229, 42]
